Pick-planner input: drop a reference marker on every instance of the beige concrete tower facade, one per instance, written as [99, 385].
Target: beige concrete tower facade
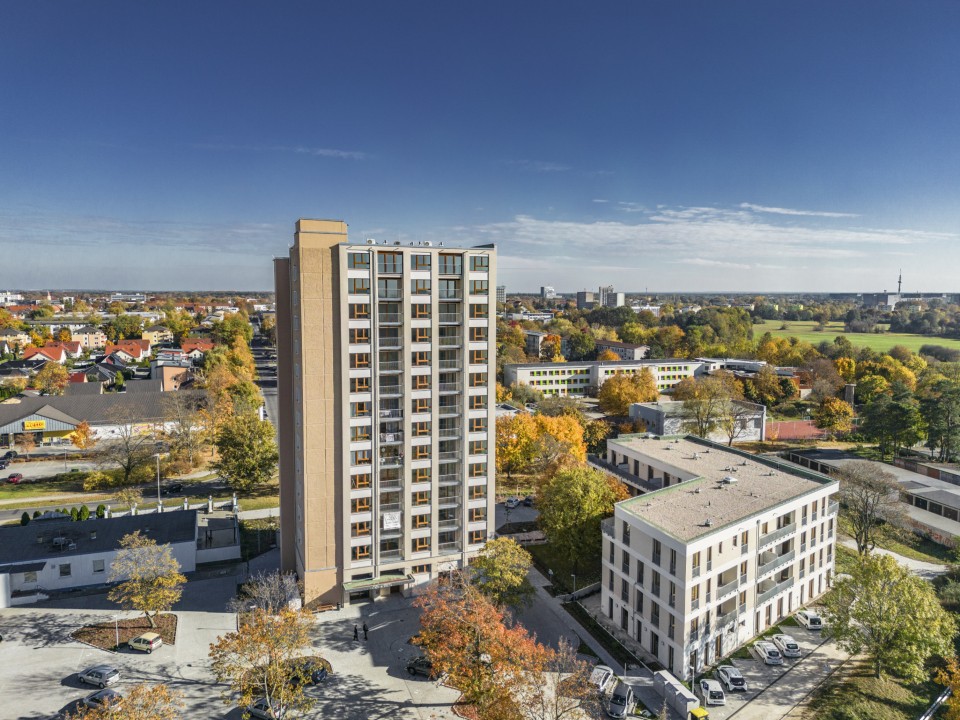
[387, 389]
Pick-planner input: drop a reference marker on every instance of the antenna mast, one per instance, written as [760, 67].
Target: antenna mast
[899, 281]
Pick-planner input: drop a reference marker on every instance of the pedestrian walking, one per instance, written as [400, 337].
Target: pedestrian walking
[364, 631]
[356, 632]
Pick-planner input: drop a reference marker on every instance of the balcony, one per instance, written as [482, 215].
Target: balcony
[776, 562]
[385, 318]
[449, 479]
[390, 366]
[833, 508]
[451, 432]
[448, 548]
[783, 532]
[450, 410]
[450, 455]
[394, 389]
[606, 527]
[450, 387]
[390, 555]
[450, 364]
[390, 342]
[450, 318]
[695, 571]
[391, 484]
[391, 461]
[774, 591]
[391, 507]
[454, 523]
[730, 587]
[448, 500]
[744, 549]
[389, 294]
[452, 340]
[394, 437]
[726, 619]
[451, 294]
[694, 604]
[396, 413]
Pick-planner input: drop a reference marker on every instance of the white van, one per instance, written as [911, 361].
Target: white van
[712, 693]
[769, 653]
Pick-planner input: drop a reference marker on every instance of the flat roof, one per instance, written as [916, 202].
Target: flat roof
[682, 510]
[605, 363]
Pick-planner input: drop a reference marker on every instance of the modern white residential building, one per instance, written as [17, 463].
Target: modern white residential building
[580, 378]
[730, 544]
[386, 366]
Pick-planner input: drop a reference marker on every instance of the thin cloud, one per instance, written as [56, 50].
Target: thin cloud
[600, 200]
[791, 211]
[298, 149]
[538, 166]
[704, 262]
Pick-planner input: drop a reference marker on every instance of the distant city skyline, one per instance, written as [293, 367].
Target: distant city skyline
[704, 147]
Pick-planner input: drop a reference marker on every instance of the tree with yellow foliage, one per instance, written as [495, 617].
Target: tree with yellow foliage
[619, 392]
[538, 443]
[608, 356]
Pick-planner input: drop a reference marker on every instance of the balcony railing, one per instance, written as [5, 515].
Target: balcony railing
[451, 432]
[390, 342]
[446, 294]
[450, 387]
[394, 437]
[390, 507]
[396, 389]
[390, 366]
[451, 340]
[744, 549]
[389, 294]
[833, 508]
[386, 318]
[449, 548]
[391, 461]
[726, 619]
[391, 484]
[783, 532]
[606, 527]
[394, 413]
[694, 604]
[450, 455]
[452, 499]
[449, 410]
[776, 562]
[449, 523]
[450, 364]
[391, 555]
[447, 318]
[724, 590]
[775, 590]
[444, 479]
[695, 572]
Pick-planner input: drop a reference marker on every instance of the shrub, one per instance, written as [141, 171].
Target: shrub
[74, 514]
[25, 518]
[97, 480]
[84, 513]
[101, 510]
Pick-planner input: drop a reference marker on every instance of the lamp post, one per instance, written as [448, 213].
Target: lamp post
[693, 679]
[157, 456]
[574, 576]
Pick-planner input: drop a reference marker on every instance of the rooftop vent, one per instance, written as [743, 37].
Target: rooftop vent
[729, 480]
[427, 243]
[707, 523]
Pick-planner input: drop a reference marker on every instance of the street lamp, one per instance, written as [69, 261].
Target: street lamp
[574, 576]
[157, 456]
[693, 679]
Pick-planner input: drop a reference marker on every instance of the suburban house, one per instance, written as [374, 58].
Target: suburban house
[73, 348]
[15, 337]
[196, 348]
[16, 369]
[157, 335]
[90, 337]
[730, 544]
[171, 370]
[624, 351]
[51, 353]
[129, 350]
[746, 422]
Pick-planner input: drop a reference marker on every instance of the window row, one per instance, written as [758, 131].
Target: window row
[391, 312]
[392, 262]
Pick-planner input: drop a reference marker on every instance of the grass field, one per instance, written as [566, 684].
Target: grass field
[881, 342]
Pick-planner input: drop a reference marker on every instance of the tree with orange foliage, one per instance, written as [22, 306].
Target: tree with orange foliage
[950, 677]
[465, 637]
[82, 436]
[141, 702]
[538, 443]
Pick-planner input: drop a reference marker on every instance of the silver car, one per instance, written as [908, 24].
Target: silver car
[787, 645]
[104, 699]
[99, 675]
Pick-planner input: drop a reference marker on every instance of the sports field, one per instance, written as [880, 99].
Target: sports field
[881, 342]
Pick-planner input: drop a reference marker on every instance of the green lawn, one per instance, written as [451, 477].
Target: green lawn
[546, 558]
[881, 342]
[854, 694]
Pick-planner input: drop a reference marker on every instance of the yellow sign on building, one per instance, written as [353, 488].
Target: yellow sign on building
[34, 424]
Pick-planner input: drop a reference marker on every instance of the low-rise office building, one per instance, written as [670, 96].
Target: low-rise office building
[624, 351]
[746, 423]
[581, 378]
[730, 544]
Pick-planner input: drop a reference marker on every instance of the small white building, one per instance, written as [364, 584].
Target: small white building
[583, 377]
[746, 424]
[728, 546]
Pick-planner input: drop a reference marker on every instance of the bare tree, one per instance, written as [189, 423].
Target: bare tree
[270, 592]
[562, 688]
[130, 449]
[870, 499]
[187, 433]
[736, 419]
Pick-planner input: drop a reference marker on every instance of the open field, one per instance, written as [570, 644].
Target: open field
[881, 342]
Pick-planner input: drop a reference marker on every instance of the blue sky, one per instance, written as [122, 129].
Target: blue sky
[671, 146]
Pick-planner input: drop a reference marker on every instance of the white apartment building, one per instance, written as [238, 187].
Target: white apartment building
[730, 544]
[580, 378]
[387, 367]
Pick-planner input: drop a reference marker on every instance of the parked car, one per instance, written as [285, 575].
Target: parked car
[3, 464]
[769, 653]
[99, 675]
[307, 670]
[260, 708]
[712, 693]
[787, 646]
[601, 676]
[621, 701]
[172, 488]
[9, 455]
[809, 619]
[106, 698]
[528, 501]
[148, 642]
[15, 478]
[732, 678]
[420, 666]
[511, 503]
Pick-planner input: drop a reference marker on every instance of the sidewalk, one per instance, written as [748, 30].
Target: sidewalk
[926, 570]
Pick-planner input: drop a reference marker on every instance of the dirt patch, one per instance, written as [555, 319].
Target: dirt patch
[104, 635]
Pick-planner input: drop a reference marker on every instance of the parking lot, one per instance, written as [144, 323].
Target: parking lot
[369, 678]
[773, 690]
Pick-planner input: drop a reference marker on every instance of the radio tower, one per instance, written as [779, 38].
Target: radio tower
[899, 281]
